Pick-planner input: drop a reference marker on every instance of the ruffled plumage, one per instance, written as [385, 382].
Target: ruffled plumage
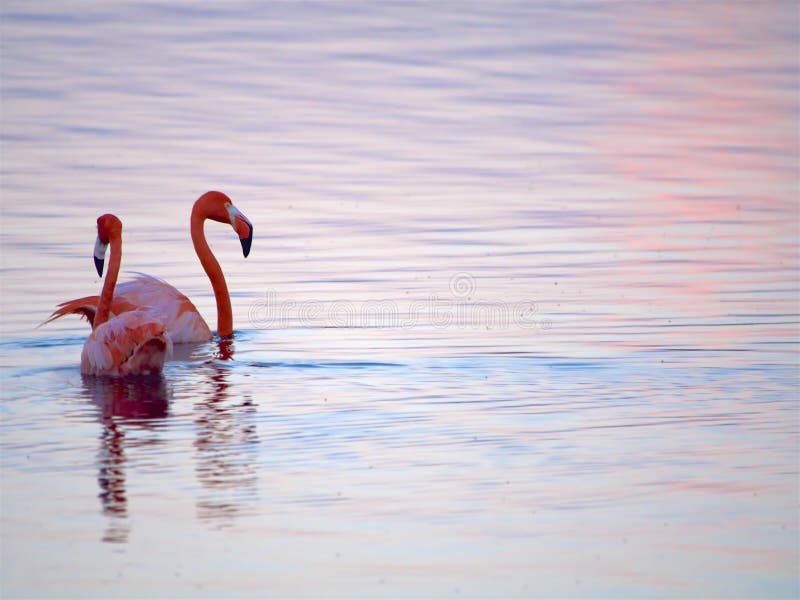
[131, 343]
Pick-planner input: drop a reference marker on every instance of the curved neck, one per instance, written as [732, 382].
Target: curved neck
[214, 272]
[106, 295]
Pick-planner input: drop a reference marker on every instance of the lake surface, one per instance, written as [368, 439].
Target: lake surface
[520, 318]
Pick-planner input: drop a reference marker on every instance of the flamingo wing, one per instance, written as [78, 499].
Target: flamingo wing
[174, 309]
[132, 343]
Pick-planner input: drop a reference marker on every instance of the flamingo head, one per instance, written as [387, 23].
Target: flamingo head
[218, 207]
[108, 227]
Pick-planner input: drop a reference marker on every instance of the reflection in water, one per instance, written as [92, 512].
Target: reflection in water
[226, 440]
[224, 350]
[111, 477]
[122, 401]
[225, 431]
[124, 398]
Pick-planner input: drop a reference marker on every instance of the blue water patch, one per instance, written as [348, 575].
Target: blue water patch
[20, 344]
[324, 365]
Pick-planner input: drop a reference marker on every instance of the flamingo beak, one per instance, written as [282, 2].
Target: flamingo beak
[243, 228]
[99, 256]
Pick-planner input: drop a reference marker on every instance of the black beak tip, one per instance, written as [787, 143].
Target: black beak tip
[247, 242]
[98, 264]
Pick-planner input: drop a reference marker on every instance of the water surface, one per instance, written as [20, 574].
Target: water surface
[520, 318]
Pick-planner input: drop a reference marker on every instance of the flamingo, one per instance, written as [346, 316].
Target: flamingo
[132, 343]
[183, 321]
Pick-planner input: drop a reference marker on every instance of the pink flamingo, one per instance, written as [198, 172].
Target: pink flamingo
[132, 343]
[184, 323]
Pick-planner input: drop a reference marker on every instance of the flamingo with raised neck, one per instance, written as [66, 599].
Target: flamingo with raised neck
[132, 343]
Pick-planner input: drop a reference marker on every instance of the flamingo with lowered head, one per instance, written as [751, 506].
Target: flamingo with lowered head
[132, 343]
[184, 323]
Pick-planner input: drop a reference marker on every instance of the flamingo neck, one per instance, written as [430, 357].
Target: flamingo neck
[107, 293]
[214, 272]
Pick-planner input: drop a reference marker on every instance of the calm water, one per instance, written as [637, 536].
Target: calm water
[520, 319]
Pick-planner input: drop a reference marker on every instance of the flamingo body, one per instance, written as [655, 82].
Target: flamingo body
[182, 319]
[175, 310]
[132, 343]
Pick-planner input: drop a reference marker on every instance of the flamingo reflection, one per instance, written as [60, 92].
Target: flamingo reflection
[136, 401]
[226, 436]
[226, 431]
